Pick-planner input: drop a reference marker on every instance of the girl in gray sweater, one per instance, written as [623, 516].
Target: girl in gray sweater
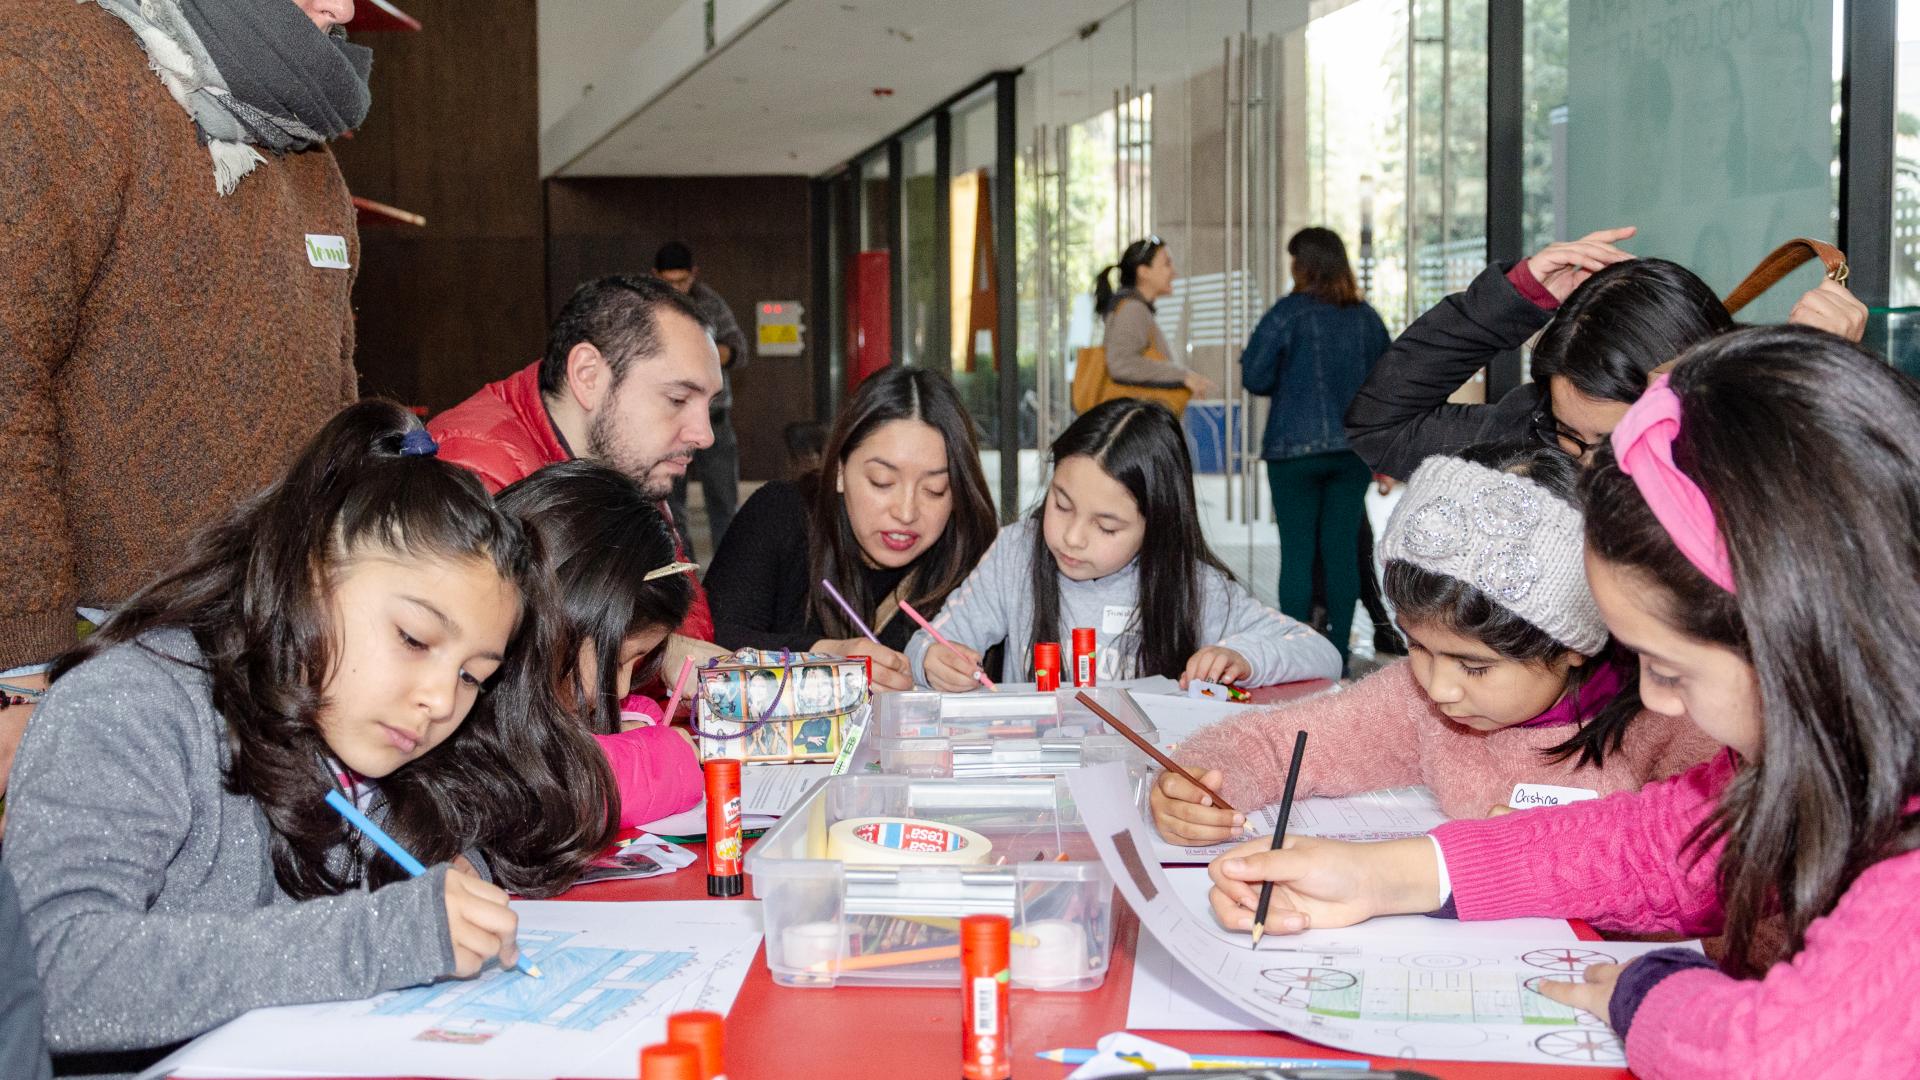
[1116, 545]
[369, 623]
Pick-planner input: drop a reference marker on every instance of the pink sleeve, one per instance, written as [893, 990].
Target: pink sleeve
[1618, 862]
[1362, 738]
[1522, 279]
[1843, 1006]
[656, 773]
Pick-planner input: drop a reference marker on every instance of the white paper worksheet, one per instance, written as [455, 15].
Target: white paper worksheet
[1445, 994]
[610, 975]
[1375, 815]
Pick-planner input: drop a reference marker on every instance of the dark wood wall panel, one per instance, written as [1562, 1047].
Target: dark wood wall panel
[750, 237]
[454, 135]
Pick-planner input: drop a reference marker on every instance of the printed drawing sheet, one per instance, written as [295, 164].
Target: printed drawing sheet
[1375, 815]
[1447, 995]
[612, 972]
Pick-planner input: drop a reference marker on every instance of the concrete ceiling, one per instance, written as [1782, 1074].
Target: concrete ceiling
[793, 92]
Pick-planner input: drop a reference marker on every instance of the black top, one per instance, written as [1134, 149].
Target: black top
[759, 582]
[1402, 414]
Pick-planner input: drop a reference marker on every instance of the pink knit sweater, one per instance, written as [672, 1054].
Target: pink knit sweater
[1842, 1006]
[1384, 731]
[655, 771]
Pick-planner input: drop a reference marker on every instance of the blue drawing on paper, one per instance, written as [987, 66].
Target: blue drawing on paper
[582, 988]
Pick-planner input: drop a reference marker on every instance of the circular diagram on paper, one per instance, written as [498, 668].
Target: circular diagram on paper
[1582, 1047]
[1295, 986]
[1564, 959]
[1437, 961]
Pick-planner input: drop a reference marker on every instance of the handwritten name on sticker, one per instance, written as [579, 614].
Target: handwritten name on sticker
[1527, 796]
[327, 252]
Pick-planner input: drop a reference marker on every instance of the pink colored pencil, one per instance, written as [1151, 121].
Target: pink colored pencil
[978, 675]
[679, 687]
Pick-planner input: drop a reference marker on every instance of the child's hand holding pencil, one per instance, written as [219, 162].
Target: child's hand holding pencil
[1184, 813]
[481, 924]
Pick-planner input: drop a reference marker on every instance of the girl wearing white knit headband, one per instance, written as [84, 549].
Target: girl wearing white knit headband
[1511, 687]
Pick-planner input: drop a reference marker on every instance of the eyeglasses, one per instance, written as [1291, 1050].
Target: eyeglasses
[1552, 434]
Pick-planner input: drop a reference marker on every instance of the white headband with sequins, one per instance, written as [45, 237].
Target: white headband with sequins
[1504, 535]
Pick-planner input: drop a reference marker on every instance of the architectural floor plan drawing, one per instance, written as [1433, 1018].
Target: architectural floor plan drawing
[610, 974]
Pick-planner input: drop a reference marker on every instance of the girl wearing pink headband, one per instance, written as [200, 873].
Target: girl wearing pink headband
[1751, 534]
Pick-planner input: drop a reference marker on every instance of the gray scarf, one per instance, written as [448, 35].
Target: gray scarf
[251, 73]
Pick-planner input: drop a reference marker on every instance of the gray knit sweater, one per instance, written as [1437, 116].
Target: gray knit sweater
[147, 887]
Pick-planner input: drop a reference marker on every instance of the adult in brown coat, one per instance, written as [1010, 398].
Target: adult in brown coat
[177, 251]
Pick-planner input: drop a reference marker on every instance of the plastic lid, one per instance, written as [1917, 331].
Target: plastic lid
[723, 765]
[985, 932]
[1049, 650]
[1082, 638]
[706, 1032]
[670, 1061]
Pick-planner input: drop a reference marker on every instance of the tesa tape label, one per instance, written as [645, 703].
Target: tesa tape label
[904, 840]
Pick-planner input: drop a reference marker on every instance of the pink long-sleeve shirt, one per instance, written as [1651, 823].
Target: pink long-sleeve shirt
[1384, 731]
[656, 772]
[1842, 1006]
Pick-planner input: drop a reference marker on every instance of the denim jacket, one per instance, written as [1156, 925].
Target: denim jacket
[1311, 357]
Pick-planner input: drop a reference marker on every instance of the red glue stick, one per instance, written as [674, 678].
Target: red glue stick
[986, 1035]
[1085, 659]
[1046, 665]
[705, 1032]
[669, 1061]
[724, 877]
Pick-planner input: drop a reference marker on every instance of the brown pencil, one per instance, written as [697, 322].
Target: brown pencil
[1151, 750]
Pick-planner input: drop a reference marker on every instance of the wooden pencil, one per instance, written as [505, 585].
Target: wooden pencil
[1151, 750]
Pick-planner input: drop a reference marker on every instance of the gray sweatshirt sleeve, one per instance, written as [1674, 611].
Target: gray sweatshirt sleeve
[145, 886]
[1278, 649]
[1130, 331]
[988, 606]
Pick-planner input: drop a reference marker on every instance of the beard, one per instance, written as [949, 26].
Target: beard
[606, 445]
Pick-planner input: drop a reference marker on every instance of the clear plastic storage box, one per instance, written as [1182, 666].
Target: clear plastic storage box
[840, 910]
[975, 735]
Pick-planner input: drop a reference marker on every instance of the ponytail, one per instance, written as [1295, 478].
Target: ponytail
[1103, 290]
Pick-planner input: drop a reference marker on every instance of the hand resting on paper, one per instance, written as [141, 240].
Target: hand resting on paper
[1320, 884]
[1216, 663]
[479, 921]
[1593, 994]
[1184, 814]
[890, 669]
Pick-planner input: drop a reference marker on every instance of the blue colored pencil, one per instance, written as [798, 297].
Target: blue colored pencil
[392, 847]
[1081, 1055]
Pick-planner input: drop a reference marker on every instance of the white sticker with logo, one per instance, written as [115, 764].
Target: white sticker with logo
[327, 252]
[1527, 796]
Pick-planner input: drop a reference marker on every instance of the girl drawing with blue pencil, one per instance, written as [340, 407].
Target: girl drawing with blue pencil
[370, 625]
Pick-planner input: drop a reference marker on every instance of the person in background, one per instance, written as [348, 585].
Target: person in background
[899, 511]
[629, 371]
[177, 256]
[717, 467]
[1137, 352]
[1310, 354]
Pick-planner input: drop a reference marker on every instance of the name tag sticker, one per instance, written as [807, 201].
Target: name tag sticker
[327, 252]
[1115, 619]
[1527, 796]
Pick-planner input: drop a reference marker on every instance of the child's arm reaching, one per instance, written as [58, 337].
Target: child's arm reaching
[975, 616]
[1363, 738]
[1276, 649]
[147, 889]
[655, 770]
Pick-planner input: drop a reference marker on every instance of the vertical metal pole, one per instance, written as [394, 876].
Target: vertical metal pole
[1006, 332]
[1446, 139]
[1867, 86]
[1407, 309]
[1226, 210]
[938, 353]
[1506, 159]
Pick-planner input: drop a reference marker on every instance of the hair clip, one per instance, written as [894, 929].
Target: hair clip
[670, 569]
[417, 443]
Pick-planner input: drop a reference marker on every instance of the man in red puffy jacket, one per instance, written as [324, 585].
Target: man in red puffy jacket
[629, 371]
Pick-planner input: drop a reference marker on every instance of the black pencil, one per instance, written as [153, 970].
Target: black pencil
[1279, 834]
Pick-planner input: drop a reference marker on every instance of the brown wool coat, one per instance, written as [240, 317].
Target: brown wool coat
[164, 350]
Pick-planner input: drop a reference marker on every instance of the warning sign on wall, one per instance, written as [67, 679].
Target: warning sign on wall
[781, 327]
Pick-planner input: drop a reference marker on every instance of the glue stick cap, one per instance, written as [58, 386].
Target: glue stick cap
[985, 935]
[705, 1032]
[670, 1061]
[1082, 640]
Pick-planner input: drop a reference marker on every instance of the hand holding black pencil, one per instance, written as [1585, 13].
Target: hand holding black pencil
[1279, 834]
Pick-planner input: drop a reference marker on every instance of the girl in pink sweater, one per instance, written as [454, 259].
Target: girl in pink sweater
[602, 536]
[1751, 535]
[1510, 679]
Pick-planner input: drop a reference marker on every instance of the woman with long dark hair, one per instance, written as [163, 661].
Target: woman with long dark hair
[1137, 352]
[1116, 545]
[1310, 353]
[899, 510]
[1750, 533]
[1609, 320]
[372, 626]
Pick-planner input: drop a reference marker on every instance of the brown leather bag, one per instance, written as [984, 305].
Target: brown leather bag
[1783, 260]
[1092, 384]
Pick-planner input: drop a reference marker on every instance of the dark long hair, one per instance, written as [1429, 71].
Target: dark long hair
[897, 393]
[1320, 267]
[1463, 609]
[602, 535]
[535, 797]
[1623, 322]
[1138, 254]
[1141, 446]
[1803, 444]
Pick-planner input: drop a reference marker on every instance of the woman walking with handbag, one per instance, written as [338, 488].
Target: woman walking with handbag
[1311, 353]
[1138, 362]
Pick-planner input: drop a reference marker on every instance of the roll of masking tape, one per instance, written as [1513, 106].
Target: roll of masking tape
[893, 841]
